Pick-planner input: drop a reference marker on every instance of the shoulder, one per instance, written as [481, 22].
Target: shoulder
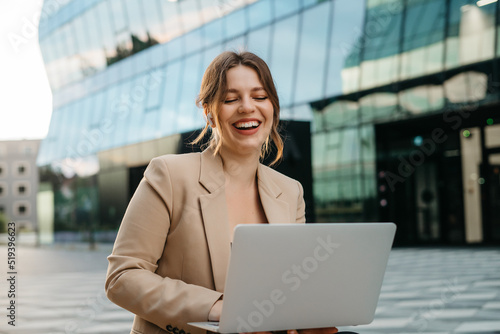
[173, 166]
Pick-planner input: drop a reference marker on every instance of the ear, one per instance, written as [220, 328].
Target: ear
[208, 115]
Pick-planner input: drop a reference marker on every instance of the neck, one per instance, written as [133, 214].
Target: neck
[239, 169]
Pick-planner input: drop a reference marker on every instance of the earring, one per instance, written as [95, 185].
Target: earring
[210, 120]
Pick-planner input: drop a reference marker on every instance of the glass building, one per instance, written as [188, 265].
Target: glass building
[391, 106]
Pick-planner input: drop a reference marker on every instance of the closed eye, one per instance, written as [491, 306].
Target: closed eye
[230, 101]
[261, 98]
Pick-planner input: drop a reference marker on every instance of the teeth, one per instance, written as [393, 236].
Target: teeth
[246, 125]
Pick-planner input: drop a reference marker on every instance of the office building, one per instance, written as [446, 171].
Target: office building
[19, 184]
[390, 104]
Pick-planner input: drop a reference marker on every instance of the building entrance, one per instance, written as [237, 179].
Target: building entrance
[439, 177]
[420, 180]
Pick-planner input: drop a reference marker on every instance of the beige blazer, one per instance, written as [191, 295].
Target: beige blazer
[170, 257]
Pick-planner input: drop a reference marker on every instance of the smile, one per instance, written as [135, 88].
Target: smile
[246, 125]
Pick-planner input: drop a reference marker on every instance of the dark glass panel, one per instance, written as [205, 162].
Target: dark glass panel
[312, 53]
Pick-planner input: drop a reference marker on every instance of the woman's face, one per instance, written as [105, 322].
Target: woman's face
[246, 114]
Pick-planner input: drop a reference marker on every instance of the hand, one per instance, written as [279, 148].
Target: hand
[215, 311]
[328, 330]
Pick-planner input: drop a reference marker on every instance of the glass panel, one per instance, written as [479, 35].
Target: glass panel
[340, 113]
[378, 106]
[422, 99]
[283, 57]
[137, 23]
[175, 48]
[98, 123]
[259, 13]
[235, 24]
[150, 126]
[191, 16]
[118, 15]
[171, 19]
[96, 56]
[466, 87]
[137, 94]
[212, 32]
[345, 47]
[471, 33]
[423, 44]
[154, 20]
[284, 8]
[237, 44]
[106, 32]
[259, 42]
[170, 100]
[119, 102]
[381, 59]
[155, 80]
[193, 41]
[312, 54]
[188, 115]
[210, 55]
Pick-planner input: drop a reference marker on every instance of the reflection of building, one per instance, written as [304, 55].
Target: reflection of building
[19, 182]
[388, 86]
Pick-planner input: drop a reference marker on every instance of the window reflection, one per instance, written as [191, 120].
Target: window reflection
[378, 106]
[235, 24]
[283, 57]
[381, 43]
[188, 116]
[169, 107]
[284, 8]
[259, 13]
[171, 19]
[312, 53]
[258, 42]
[95, 57]
[345, 47]
[154, 21]
[471, 33]
[423, 46]
[212, 32]
[422, 99]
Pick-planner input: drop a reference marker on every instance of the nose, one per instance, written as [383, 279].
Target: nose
[246, 106]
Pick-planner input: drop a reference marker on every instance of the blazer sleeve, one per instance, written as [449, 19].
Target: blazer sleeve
[301, 205]
[131, 280]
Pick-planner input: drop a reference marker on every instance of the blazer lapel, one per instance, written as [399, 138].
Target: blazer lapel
[276, 210]
[214, 213]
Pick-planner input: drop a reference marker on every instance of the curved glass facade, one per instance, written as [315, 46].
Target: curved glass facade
[125, 75]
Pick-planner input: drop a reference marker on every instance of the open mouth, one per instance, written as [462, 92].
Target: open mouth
[246, 125]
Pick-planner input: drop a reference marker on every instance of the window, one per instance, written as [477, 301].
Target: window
[2, 209]
[3, 189]
[21, 188]
[3, 169]
[21, 168]
[22, 209]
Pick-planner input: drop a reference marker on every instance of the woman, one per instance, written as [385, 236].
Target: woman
[170, 257]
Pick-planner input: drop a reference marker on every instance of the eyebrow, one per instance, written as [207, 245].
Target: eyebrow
[255, 89]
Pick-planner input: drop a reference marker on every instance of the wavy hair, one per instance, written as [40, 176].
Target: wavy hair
[214, 89]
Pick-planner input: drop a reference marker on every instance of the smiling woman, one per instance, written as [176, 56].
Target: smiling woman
[240, 83]
[171, 254]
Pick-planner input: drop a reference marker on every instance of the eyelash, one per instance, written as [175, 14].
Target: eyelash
[256, 98]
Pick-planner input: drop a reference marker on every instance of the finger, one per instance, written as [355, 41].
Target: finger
[327, 330]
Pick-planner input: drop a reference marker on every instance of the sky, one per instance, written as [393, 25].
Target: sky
[25, 96]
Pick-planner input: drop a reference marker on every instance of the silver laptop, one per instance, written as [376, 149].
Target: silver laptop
[296, 276]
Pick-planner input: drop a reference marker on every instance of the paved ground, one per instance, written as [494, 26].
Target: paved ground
[440, 290]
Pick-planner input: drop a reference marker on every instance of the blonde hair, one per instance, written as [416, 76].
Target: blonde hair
[214, 89]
